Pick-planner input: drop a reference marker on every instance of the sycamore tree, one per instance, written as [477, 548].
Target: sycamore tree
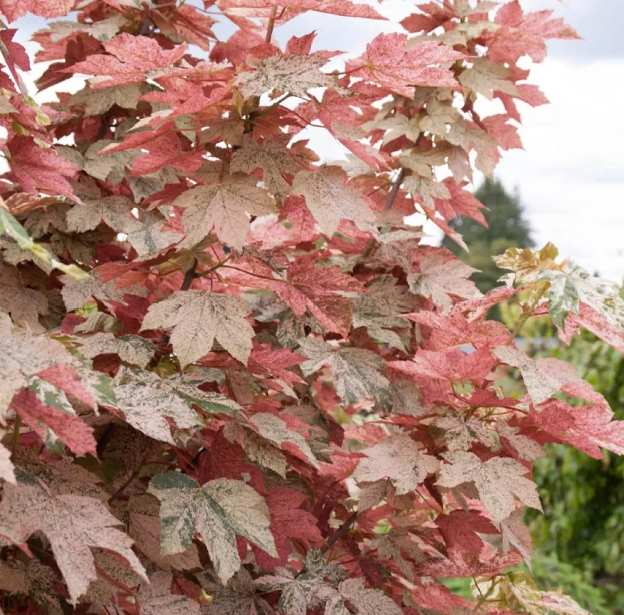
[232, 379]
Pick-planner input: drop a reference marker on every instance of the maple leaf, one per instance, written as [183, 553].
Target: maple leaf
[399, 459]
[23, 356]
[24, 304]
[524, 34]
[585, 427]
[144, 528]
[239, 597]
[274, 430]
[145, 400]
[73, 525]
[497, 480]
[97, 102]
[40, 168]
[379, 310]
[461, 529]
[330, 200]
[262, 8]
[440, 280]
[273, 158]
[131, 59]
[114, 211]
[544, 377]
[390, 63]
[198, 319]
[155, 598]
[571, 286]
[367, 601]
[486, 77]
[13, 9]
[357, 372]
[64, 423]
[130, 348]
[313, 288]
[218, 511]
[295, 74]
[226, 207]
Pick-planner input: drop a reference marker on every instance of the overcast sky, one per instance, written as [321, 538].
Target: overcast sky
[571, 172]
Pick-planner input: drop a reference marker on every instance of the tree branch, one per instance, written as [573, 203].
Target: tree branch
[340, 532]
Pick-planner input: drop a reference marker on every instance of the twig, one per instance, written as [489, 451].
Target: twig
[125, 485]
[399, 180]
[395, 189]
[189, 276]
[269, 34]
[340, 532]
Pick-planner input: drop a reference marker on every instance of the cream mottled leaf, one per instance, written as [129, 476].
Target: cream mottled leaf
[544, 377]
[112, 574]
[115, 211]
[34, 579]
[239, 597]
[217, 511]
[185, 385]
[97, 102]
[100, 30]
[77, 293]
[130, 348]
[276, 431]
[224, 207]
[72, 524]
[273, 158]
[379, 310]
[24, 304]
[486, 77]
[23, 355]
[572, 284]
[7, 471]
[146, 400]
[144, 528]
[257, 448]
[439, 280]
[368, 601]
[155, 598]
[197, 319]
[460, 433]
[399, 459]
[357, 371]
[293, 73]
[331, 200]
[498, 480]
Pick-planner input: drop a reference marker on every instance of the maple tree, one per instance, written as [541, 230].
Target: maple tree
[233, 379]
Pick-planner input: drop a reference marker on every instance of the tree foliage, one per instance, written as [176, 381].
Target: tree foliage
[233, 378]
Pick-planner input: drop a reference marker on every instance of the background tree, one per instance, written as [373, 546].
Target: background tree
[507, 227]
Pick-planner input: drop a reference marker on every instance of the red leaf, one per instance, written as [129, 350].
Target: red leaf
[77, 435]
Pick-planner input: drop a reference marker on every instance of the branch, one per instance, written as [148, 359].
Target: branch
[340, 532]
[190, 275]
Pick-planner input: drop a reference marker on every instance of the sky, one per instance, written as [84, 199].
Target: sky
[570, 174]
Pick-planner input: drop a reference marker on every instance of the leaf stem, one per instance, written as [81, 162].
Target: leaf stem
[527, 314]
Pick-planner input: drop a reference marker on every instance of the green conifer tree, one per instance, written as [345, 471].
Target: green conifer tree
[507, 227]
